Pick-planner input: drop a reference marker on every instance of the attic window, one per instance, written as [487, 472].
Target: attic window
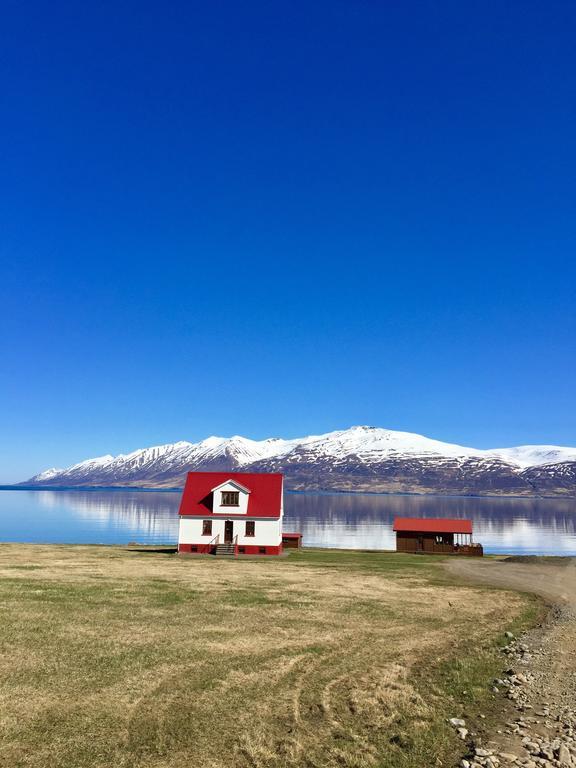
[230, 499]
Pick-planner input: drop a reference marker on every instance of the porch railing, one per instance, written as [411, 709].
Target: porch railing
[212, 544]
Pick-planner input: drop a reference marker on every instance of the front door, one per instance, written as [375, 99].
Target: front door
[228, 531]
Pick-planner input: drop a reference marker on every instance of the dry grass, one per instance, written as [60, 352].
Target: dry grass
[131, 659]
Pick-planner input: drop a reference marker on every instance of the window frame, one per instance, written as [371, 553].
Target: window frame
[206, 527]
[250, 534]
[234, 494]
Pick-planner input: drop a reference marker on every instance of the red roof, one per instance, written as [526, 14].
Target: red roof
[432, 525]
[265, 499]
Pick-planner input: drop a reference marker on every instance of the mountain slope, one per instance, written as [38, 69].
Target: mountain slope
[356, 459]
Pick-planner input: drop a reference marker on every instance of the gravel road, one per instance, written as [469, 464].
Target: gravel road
[538, 680]
[554, 581]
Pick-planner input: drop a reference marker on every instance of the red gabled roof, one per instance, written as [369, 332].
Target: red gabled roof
[432, 525]
[265, 499]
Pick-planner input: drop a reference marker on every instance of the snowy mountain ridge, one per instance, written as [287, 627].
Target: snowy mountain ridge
[359, 458]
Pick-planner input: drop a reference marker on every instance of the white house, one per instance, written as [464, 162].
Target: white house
[231, 513]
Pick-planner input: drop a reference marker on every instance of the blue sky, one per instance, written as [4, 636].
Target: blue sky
[285, 218]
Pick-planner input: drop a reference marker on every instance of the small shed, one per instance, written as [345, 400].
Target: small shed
[435, 536]
[291, 540]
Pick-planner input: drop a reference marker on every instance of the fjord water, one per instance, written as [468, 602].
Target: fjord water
[346, 520]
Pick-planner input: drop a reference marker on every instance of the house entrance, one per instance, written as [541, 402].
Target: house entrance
[228, 531]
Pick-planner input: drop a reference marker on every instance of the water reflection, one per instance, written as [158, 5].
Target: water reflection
[148, 514]
[356, 521]
[89, 517]
[364, 521]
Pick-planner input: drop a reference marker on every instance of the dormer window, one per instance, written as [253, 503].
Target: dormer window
[230, 497]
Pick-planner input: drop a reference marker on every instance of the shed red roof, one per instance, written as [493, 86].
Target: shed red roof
[265, 499]
[432, 525]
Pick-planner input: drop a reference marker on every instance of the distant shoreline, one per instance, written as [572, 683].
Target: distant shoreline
[88, 488]
[143, 489]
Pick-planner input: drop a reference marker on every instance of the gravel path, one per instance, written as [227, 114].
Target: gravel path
[539, 669]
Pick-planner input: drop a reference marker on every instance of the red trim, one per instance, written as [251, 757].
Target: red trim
[253, 549]
[197, 549]
[243, 549]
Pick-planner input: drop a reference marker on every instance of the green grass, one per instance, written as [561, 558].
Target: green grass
[379, 562]
[323, 659]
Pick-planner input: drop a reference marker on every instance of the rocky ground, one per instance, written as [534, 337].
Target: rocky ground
[538, 680]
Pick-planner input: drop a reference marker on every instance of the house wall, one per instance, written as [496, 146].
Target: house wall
[267, 532]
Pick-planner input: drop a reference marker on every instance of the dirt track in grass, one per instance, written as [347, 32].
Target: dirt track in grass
[147, 660]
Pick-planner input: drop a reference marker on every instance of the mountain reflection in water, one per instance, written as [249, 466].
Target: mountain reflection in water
[364, 521]
[354, 521]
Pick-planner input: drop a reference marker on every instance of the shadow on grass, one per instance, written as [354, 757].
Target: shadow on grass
[152, 549]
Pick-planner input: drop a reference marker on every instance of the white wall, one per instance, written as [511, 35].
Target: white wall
[267, 532]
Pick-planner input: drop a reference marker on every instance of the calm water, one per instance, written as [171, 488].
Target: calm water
[357, 521]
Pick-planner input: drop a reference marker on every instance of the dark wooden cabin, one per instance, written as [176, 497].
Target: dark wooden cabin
[435, 536]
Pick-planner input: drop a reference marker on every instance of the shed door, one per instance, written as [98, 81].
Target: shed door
[228, 531]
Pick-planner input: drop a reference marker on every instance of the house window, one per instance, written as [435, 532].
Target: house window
[250, 527]
[207, 528]
[230, 498]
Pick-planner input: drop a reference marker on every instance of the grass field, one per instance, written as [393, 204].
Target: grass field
[110, 657]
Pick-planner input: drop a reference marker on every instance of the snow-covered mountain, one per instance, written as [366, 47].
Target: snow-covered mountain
[535, 455]
[360, 458]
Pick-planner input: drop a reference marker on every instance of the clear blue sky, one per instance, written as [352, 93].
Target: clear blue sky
[285, 218]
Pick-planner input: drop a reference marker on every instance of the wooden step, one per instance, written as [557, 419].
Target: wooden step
[225, 549]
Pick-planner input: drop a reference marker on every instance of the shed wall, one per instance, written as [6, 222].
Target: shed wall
[411, 541]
